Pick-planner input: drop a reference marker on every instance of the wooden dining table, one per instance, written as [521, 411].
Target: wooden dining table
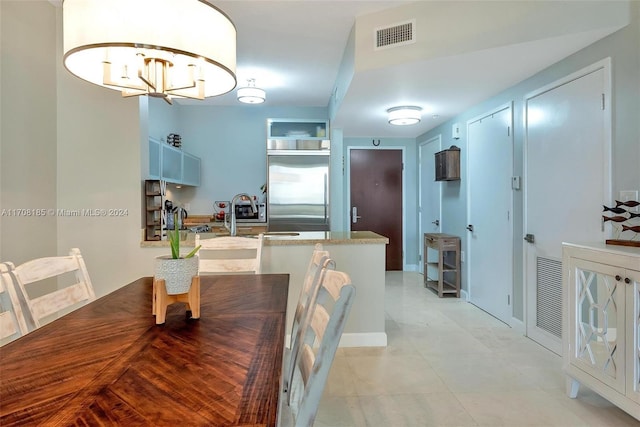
[108, 363]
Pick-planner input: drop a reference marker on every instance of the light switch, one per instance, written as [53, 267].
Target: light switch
[455, 131]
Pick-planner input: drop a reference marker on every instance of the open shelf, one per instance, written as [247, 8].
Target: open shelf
[447, 250]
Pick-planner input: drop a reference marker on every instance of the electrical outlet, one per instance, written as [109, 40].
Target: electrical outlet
[461, 256]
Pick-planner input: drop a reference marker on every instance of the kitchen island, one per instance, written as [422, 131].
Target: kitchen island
[361, 254]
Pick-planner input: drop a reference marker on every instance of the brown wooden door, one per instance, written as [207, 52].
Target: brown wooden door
[376, 193]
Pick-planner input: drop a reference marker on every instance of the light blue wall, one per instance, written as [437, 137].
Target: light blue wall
[624, 49]
[230, 141]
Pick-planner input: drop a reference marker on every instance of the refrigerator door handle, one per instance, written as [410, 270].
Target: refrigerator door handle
[326, 197]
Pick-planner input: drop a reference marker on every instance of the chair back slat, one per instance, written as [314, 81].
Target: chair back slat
[62, 298]
[317, 264]
[45, 268]
[230, 254]
[8, 325]
[324, 327]
[226, 265]
[12, 322]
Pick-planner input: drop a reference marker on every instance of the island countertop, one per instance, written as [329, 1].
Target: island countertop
[278, 238]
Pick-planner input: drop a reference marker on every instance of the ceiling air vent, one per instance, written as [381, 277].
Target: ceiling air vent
[395, 35]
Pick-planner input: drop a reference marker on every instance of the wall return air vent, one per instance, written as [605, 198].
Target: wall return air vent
[395, 35]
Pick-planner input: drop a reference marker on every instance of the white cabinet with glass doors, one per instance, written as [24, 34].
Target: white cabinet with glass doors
[601, 322]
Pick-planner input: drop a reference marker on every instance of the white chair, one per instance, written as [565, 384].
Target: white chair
[312, 280]
[324, 329]
[69, 268]
[12, 322]
[231, 254]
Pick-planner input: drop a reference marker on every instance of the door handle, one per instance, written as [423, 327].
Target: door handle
[530, 238]
[354, 215]
[470, 228]
[436, 222]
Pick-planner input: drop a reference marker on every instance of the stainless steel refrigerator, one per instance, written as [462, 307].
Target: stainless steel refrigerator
[298, 185]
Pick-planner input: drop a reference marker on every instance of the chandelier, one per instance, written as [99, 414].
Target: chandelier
[161, 48]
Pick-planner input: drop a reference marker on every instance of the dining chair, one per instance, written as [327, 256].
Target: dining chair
[230, 254]
[323, 331]
[73, 284]
[12, 321]
[311, 283]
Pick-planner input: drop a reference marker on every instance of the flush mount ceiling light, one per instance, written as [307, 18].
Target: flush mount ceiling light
[402, 116]
[250, 94]
[161, 48]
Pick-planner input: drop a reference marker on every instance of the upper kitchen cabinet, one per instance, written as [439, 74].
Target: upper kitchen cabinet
[171, 170]
[154, 159]
[172, 164]
[297, 129]
[190, 169]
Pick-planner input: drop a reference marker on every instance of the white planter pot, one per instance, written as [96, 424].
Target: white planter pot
[177, 273]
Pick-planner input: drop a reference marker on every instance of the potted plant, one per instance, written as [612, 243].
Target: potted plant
[176, 271]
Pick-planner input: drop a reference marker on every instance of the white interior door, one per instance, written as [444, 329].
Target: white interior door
[567, 182]
[489, 239]
[430, 192]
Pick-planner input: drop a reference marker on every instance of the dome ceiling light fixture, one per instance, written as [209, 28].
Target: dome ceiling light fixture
[161, 48]
[406, 115]
[250, 94]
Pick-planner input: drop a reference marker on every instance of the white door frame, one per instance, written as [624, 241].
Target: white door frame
[436, 139]
[468, 190]
[404, 203]
[529, 289]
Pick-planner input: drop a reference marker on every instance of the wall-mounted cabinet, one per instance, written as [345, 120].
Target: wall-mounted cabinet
[448, 164]
[297, 129]
[172, 164]
[190, 169]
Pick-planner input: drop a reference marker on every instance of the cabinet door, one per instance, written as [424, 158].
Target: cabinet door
[297, 129]
[190, 169]
[633, 334]
[171, 164]
[596, 321]
[154, 159]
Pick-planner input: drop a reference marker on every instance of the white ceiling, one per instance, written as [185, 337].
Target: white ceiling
[294, 49]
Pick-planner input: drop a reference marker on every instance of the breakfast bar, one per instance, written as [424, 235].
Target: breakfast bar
[361, 254]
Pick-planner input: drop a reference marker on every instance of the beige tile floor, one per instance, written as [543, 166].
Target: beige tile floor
[449, 363]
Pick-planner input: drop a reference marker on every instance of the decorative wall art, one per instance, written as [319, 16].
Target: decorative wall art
[625, 223]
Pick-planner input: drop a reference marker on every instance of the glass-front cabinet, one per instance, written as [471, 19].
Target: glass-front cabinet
[297, 129]
[601, 345]
[172, 164]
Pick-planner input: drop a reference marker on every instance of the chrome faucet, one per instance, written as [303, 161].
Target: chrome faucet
[233, 229]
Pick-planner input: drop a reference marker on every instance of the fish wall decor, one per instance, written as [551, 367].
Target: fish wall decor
[614, 210]
[614, 218]
[634, 228]
[628, 203]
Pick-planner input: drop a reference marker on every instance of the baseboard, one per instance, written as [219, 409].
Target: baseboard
[411, 267]
[367, 339]
[518, 325]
